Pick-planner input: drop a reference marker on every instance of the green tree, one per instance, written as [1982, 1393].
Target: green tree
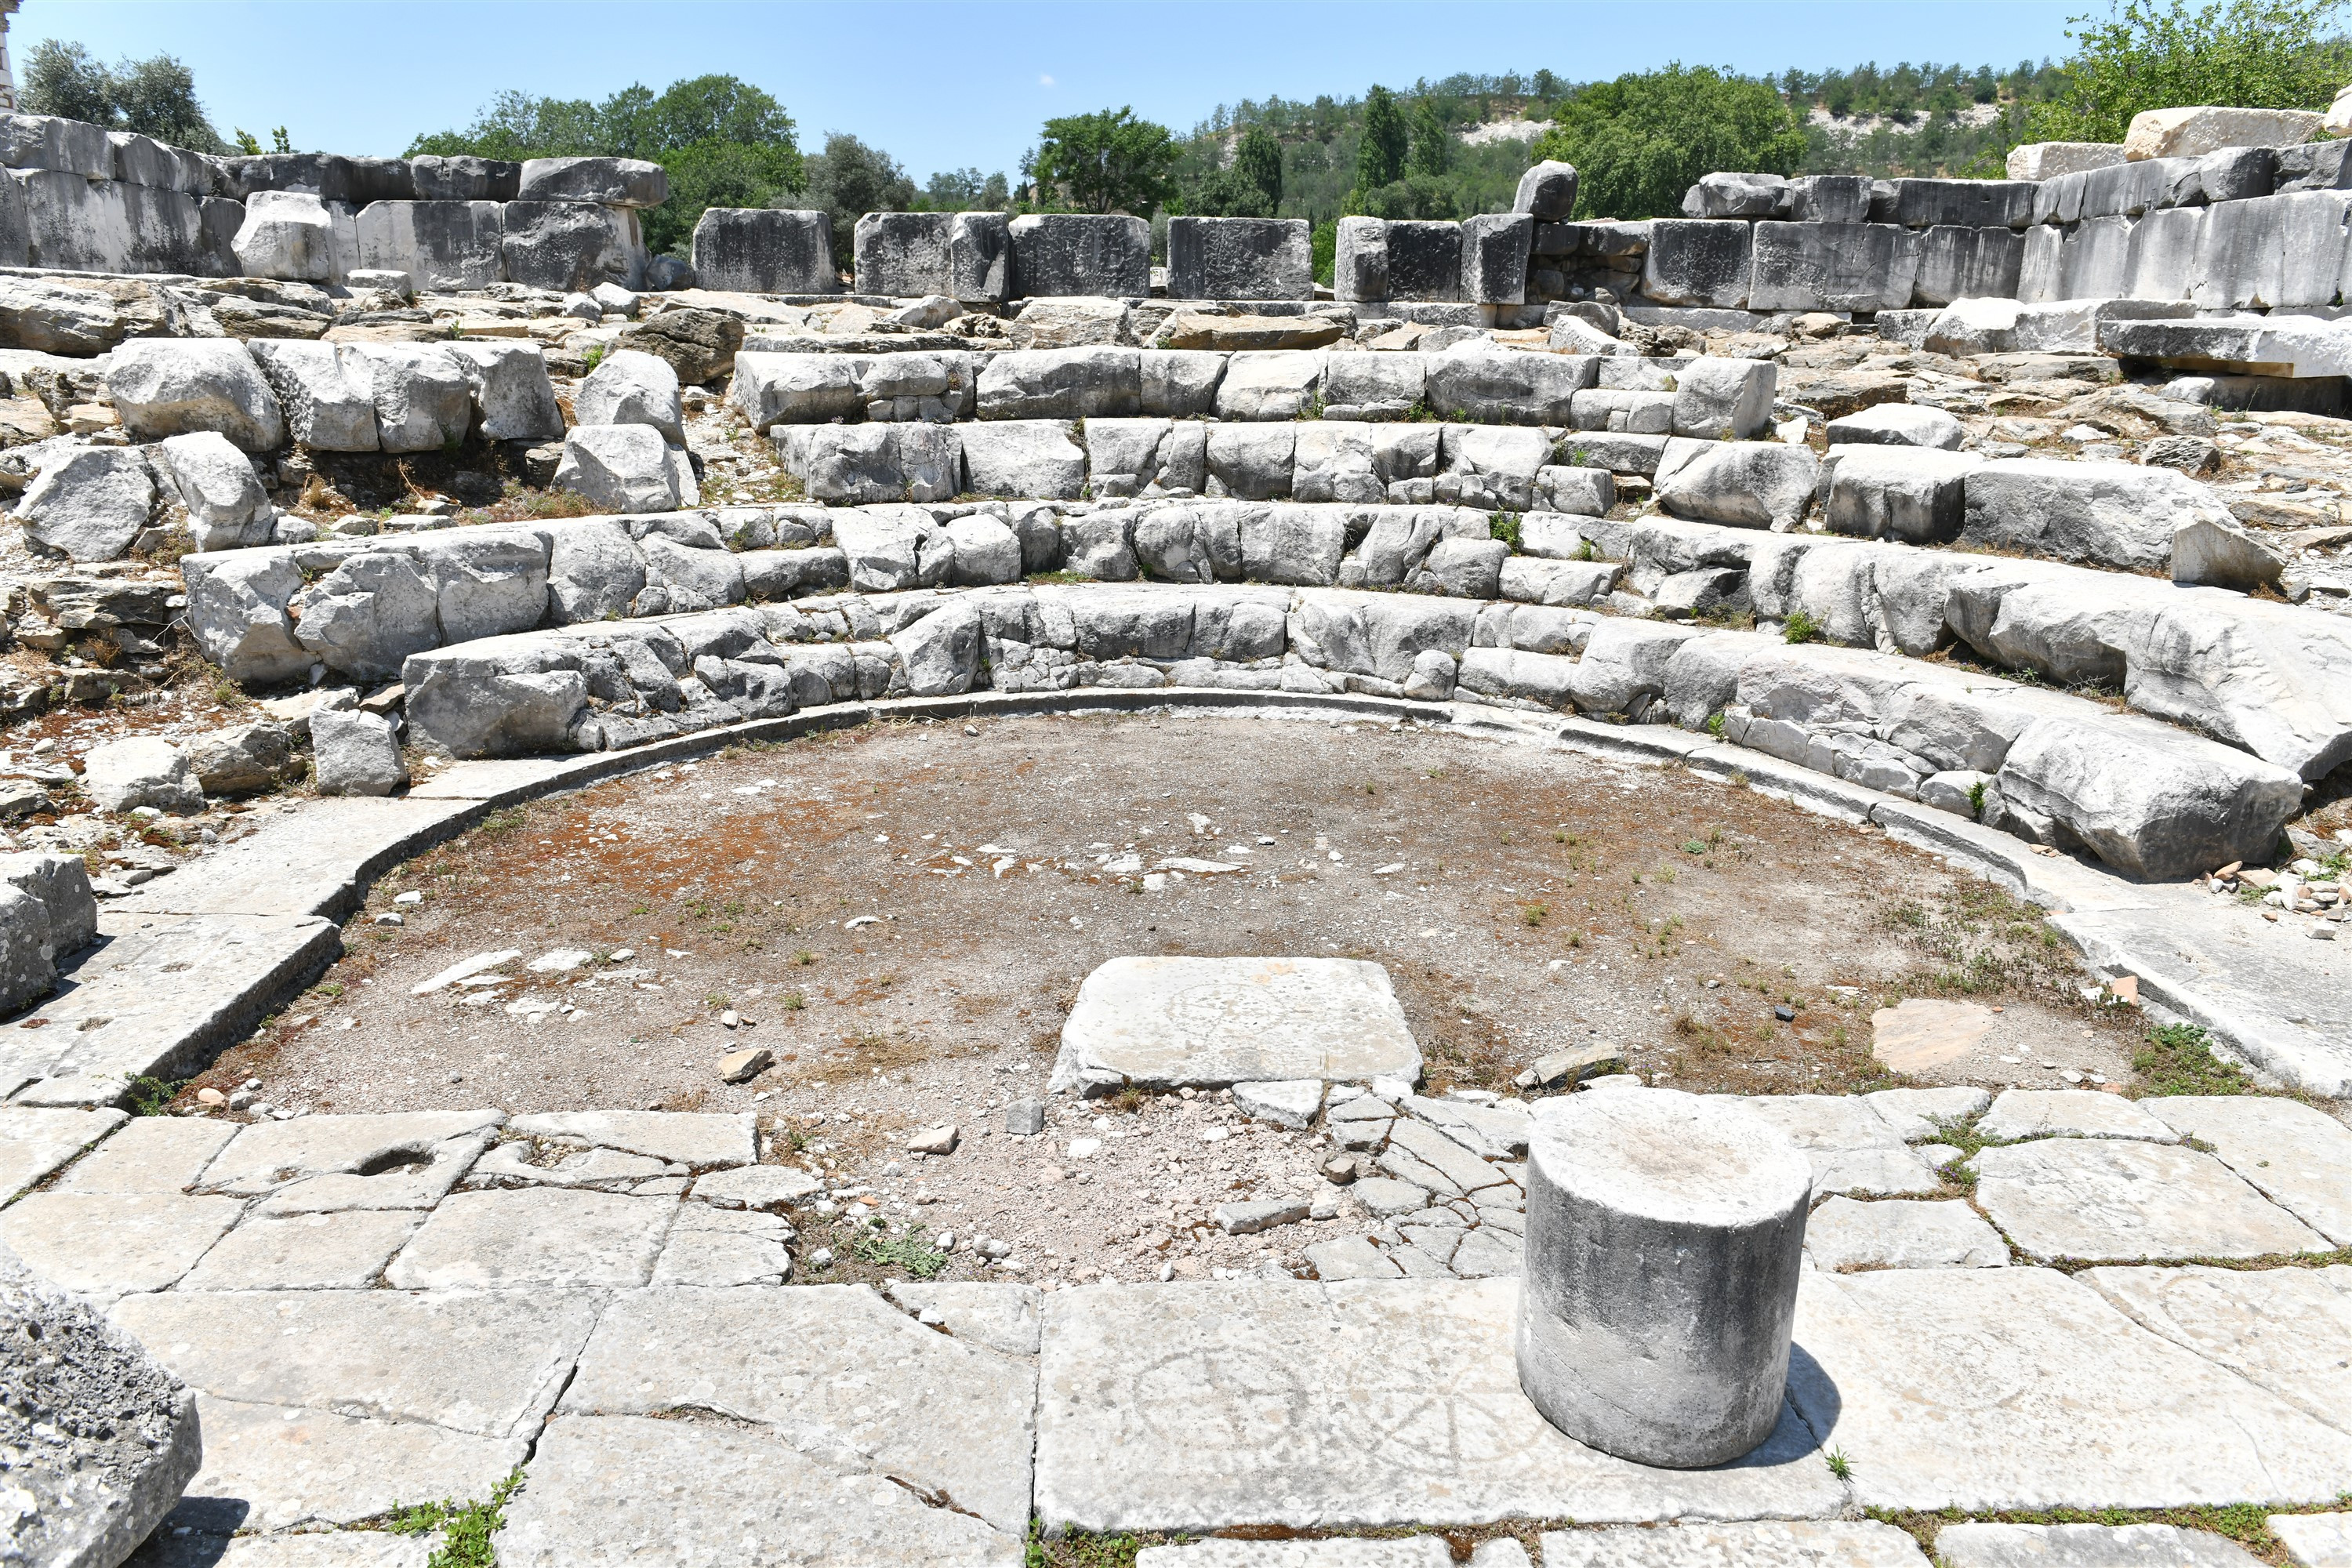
[1107, 162]
[1257, 170]
[1417, 196]
[154, 97]
[1640, 142]
[1433, 141]
[2250, 53]
[848, 180]
[1380, 152]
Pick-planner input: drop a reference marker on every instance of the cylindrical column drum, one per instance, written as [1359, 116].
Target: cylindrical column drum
[1664, 1235]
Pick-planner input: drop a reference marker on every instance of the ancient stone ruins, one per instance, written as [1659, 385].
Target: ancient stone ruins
[359, 503]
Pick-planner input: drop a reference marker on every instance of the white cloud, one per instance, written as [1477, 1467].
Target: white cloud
[1045, 81]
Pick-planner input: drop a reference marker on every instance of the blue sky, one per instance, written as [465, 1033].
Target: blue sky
[945, 86]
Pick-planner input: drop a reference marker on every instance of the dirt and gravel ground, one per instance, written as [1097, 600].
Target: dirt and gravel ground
[902, 914]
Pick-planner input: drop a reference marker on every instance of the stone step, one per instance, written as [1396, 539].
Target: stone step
[2145, 796]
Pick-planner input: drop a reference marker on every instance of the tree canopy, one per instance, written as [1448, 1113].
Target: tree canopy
[2249, 53]
[1640, 142]
[154, 97]
[722, 141]
[1380, 154]
[848, 180]
[1105, 162]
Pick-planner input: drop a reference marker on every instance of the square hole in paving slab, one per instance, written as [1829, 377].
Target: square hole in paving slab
[1166, 1023]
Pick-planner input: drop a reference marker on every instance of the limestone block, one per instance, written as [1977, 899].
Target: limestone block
[2100, 1199]
[242, 759]
[2293, 1154]
[1250, 462]
[626, 468]
[463, 178]
[1898, 424]
[891, 548]
[1717, 397]
[103, 1438]
[140, 771]
[2281, 345]
[2147, 799]
[2069, 1113]
[2113, 514]
[1377, 258]
[1581, 491]
[771, 389]
[609, 182]
[1969, 203]
[1909, 493]
[286, 234]
[1086, 382]
[1489, 466]
[2094, 260]
[172, 386]
[89, 504]
[1832, 1544]
[1684, 1368]
[356, 754]
[513, 399]
[1036, 459]
[1101, 255]
[1697, 262]
[53, 142]
[1269, 383]
[2048, 160]
[1495, 248]
[1546, 192]
[629, 387]
[1476, 380]
[2041, 274]
[1829, 198]
[423, 400]
[441, 245]
[1957, 263]
[2091, 1545]
[1146, 457]
[2206, 551]
[2192, 132]
[980, 257]
[1209, 1023]
[60, 884]
[1624, 412]
[1832, 267]
[1844, 1235]
[226, 505]
[1333, 461]
[329, 402]
[1753, 484]
[903, 255]
[569, 247]
[1239, 258]
[759, 250]
[1179, 383]
[1735, 195]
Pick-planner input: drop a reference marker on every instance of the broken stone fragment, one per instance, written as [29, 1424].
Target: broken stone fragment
[742, 1066]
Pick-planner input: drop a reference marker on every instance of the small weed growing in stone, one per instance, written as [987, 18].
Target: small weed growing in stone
[1534, 914]
[2179, 1060]
[912, 1252]
[1504, 526]
[465, 1527]
[151, 1095]
[1800, 627]
[804, 958]
[1839, 1466]
[791, 1001]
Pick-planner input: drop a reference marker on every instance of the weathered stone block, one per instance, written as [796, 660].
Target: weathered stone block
[1099, 255]
[441, 245]
[763, 250]
[569, 247]
[1697, 262]
[1239, 258]
[1495, 257]
[608, 181]
[903, 255]
[465, 178]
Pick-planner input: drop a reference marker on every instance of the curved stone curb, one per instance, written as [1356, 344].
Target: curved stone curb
[316, 868]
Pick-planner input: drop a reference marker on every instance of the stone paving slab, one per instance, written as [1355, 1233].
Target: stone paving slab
[314, 861]
[852, 1380]
[712, 1493]
[1913, 1112]
[702, 1140]
[152, 1155]
[2296, 1155]
[2315, 1540]
[1202, 1406]
[290, 1466]
[2086, 1546]
[267, 1155]
[159, 996]
[536, 1237]
[1167, 1022]
[104, 1245]
[325, 1549]
[2069, 1113]
[485, 1364]
[1988, 1389]
[35, 1143]
[722, 1247]
[1896, 1233]
[1338, 1551]
[1852, 1147]
[311, 1252]
[1836, 1544]
[2289, 1329]
[2110, 1199]
[1002, 1316]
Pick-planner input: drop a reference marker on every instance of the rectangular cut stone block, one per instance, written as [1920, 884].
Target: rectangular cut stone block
[278, 1468]
[903, 255]
[537, 1237]
[440, 244]
[765, 251]
[1987, 1389]
[1844, 1235]
[1495, 249]
[107, 1243]
[951, 1416]
[1239, 258]
[1957, 263]
[1699, 262]
[1832, 267]
[2095, 261]
[2296, 1155]
[152, 1155]
[343, 1251]
[1971, 204]
[1380, 259]
[1166, 1022]
[2104, 1199]
[1105, 255]
[2071, 1113]
[33, 1143]
[979, 257]
[2163, 259]
[1193, 1407]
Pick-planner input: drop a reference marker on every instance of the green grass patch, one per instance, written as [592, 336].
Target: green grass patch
[912, 1252]
[465, 1527]
[2177, 1059]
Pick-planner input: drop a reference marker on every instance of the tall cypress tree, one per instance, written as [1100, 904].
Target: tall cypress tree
[1380, 157]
